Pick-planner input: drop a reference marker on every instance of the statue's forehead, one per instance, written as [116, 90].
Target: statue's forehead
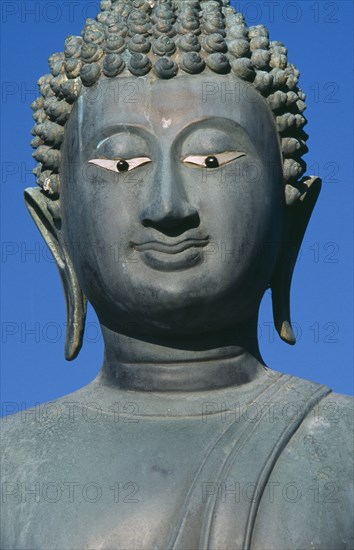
[167, 107]
[181, 96]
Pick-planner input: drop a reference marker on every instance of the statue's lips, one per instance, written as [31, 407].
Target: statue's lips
[170, 248]
[176, 256]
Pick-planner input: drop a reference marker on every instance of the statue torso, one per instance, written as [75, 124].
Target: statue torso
[262, 466]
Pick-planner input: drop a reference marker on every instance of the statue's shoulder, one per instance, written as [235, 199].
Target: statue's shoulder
[22, 433]
[327, 431]
[318, 413]
[320, 451]
[312, 481]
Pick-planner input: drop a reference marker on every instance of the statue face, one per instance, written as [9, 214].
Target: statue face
[172, 201]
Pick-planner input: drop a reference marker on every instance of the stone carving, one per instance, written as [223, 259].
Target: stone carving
[198, 444]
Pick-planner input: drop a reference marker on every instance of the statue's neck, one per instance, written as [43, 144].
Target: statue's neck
[203, 362]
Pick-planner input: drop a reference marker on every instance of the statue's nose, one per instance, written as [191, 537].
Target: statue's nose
[168, 206]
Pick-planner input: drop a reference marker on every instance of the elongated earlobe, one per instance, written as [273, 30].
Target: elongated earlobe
[46, 215]
[300, 203]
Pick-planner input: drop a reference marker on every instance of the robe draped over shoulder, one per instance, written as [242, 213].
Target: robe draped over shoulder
[272, 473]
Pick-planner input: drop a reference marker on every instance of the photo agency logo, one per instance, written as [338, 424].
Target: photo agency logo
[255, 12]
[274, 11]
[70, 492]
[55, 413]
[29, 332]
[119, 93]
[36, 252]
[271, 492]
[49, 13]
[270, 412]
[247, 172]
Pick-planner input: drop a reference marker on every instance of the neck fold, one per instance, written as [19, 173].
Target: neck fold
[184, 364]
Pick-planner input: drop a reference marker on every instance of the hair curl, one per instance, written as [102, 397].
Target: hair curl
[134, 37]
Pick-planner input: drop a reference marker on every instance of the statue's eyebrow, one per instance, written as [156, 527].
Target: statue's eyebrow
[210, 122]
[224, 125]
[111, 131]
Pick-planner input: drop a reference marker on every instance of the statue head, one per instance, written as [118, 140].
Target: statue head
[169, 139]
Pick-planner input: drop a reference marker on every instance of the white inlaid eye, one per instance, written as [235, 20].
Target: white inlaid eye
[213, 161]
[120, 165]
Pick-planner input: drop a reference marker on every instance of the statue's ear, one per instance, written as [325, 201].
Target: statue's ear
[46, 215]
[300, 202]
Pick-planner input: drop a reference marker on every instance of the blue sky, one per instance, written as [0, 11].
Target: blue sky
[318, 37]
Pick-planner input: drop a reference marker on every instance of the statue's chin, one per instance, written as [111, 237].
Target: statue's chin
[208, 297]
[186, 317]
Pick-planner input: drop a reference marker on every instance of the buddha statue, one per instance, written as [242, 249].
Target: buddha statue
[169, 138]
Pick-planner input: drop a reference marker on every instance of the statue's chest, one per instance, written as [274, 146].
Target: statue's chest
[155, 483]
[148, 485]
[110, 486]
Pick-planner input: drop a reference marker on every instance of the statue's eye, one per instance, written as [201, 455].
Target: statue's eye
[213, 161]
[120, 165]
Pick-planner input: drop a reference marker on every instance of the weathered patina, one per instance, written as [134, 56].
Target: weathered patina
[170, 138]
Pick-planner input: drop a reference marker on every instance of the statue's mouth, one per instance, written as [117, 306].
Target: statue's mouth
[171, 248]
[172, 256]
